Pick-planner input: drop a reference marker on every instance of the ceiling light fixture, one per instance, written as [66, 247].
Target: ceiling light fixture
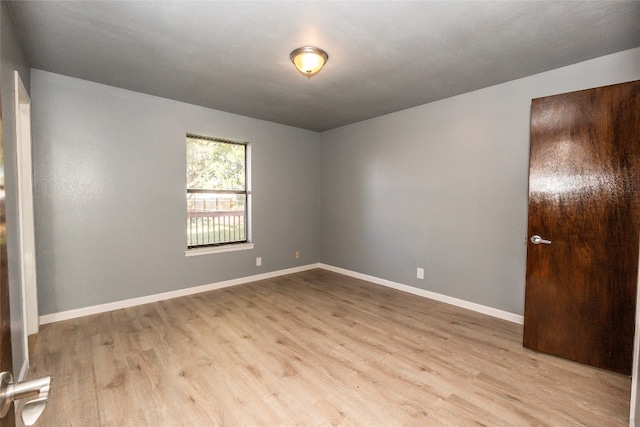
[309, 60]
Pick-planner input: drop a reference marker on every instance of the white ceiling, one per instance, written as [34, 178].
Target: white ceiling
[384, 56]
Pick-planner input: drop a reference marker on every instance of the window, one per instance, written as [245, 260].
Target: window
[217, 196]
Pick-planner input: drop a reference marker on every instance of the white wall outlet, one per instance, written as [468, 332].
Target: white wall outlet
[297, 255]
[420, 273]
[258, 261]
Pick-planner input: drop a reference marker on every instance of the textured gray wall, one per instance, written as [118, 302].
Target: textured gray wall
[109, 168]
[13, 58]
[443, 187]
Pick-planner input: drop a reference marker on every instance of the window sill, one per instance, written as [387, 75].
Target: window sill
[218, 249]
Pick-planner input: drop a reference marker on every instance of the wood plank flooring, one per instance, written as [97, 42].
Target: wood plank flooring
[312, 349]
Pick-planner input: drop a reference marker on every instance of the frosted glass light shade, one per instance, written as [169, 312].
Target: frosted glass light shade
[309, 60]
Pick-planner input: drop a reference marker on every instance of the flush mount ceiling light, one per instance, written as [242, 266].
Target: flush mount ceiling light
[309, 60]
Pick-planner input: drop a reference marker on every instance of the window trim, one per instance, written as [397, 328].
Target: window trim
[229, 247]
[236, 245]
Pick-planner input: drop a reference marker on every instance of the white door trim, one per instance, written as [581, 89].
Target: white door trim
[25, 211]
[634, 409]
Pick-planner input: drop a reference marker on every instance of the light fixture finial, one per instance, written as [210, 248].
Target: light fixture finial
[309, 60]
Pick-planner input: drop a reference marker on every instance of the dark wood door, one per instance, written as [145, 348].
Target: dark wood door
[584, 176]
[6, 362]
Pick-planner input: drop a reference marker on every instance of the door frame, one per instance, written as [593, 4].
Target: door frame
[26, 226]
[634, 407]
[6, 362]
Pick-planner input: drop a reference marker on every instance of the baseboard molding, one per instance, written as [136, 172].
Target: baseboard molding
[102, 308]
[505, 315]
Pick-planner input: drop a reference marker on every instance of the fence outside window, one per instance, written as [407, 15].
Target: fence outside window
[215, 218]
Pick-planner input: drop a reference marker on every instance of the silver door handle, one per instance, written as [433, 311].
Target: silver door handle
[10, 392]
[536, 240]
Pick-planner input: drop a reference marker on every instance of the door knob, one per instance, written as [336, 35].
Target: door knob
[10, 392]
[536, 240]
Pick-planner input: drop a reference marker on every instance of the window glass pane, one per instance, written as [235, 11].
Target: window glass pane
[214, 218]
[217, 199]
[214, 165]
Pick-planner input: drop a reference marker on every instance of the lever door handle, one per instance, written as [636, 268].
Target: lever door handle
[10, 392]
[536, 240]
[32, 410]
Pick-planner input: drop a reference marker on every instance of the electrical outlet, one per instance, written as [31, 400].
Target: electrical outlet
[297, 255]
[421, 273]
[258, 261]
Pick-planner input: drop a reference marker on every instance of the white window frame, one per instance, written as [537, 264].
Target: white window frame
[231, 246]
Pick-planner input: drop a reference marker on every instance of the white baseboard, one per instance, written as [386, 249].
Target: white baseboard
[102, 308]
[505, 315]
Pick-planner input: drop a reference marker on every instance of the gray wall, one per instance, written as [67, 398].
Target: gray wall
[110, 205]
[12, 58]
[443, 186]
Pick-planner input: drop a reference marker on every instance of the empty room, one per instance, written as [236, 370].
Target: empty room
[318, 213]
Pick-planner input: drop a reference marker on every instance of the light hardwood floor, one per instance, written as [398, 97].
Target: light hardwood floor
[312, 349]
